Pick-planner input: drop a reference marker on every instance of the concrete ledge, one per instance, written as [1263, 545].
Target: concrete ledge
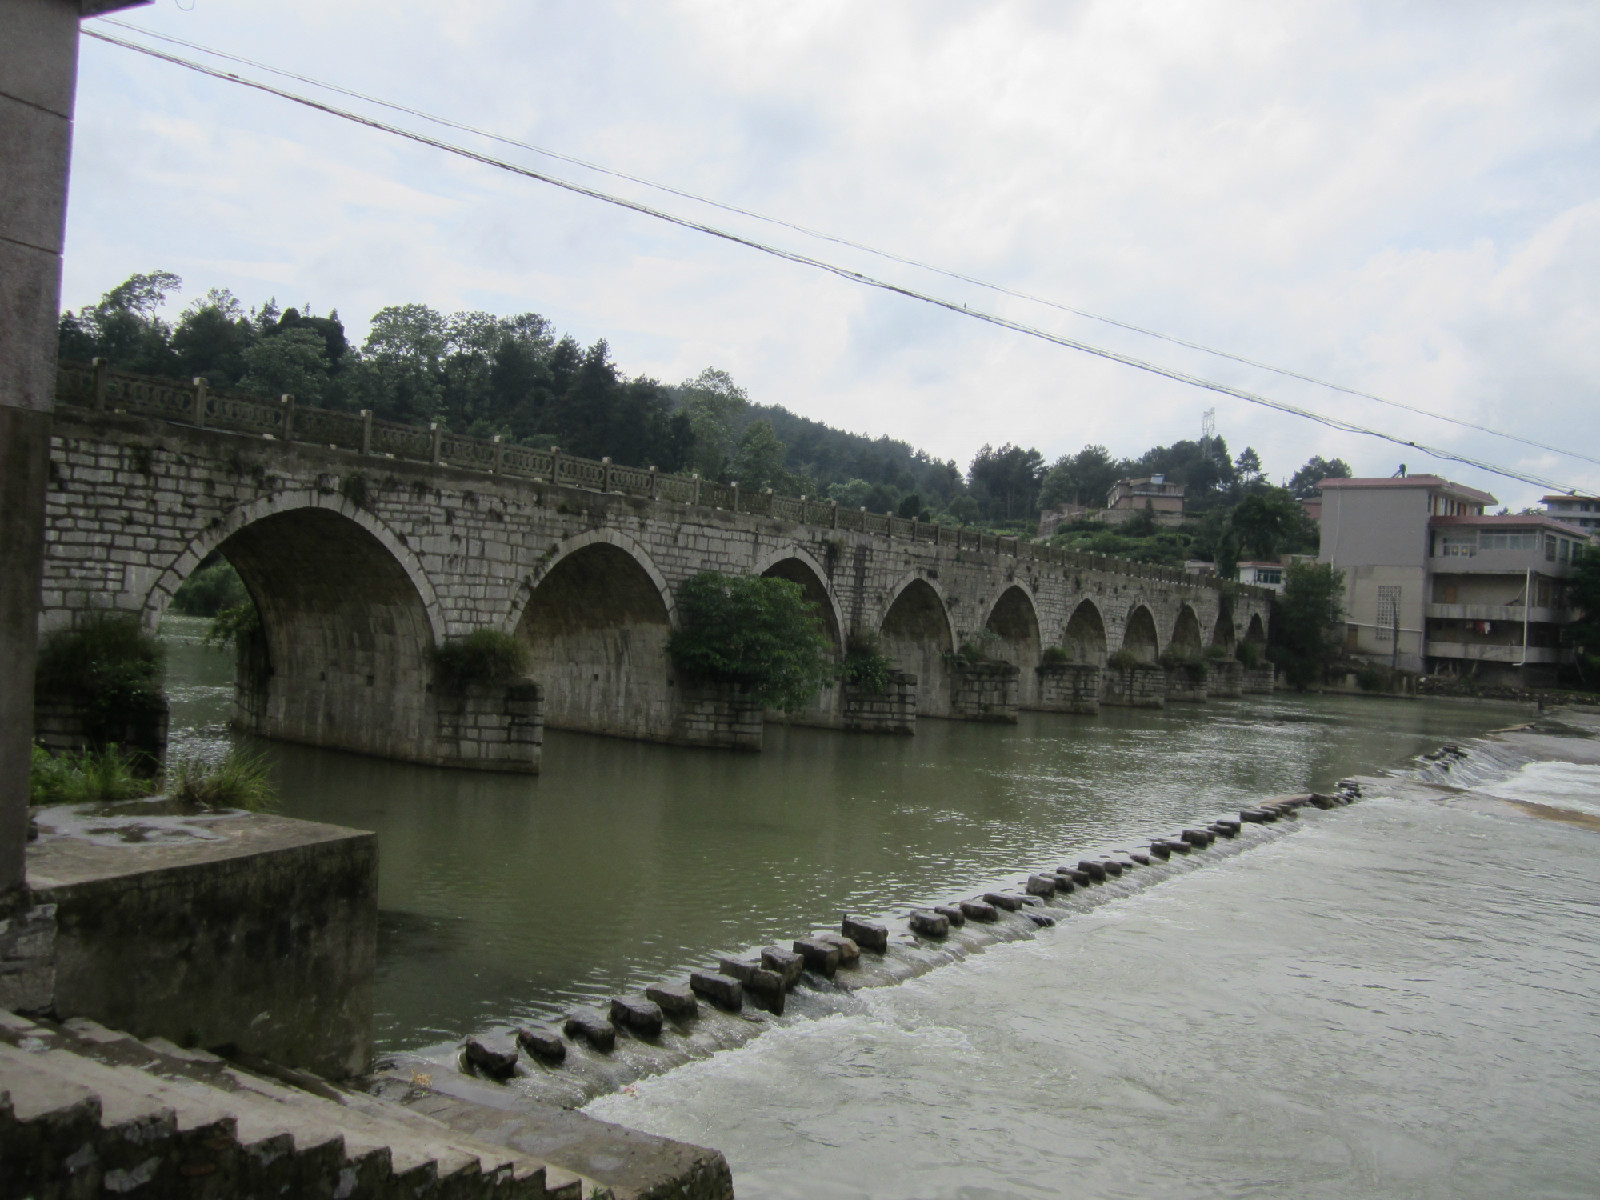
[229, 930]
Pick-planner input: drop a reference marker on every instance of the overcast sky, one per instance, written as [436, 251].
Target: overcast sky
[1402, 197]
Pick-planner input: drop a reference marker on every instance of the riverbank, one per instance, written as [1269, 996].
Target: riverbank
[1398, 999]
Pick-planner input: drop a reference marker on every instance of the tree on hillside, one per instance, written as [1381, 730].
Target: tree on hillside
[293, 362]
[712, 401]
[1248, 466]
[1082, 478]
[124, 328]
[1305, 624]
[758, 462]
[1584, 633]
[212, 336]
[1303, 483]
[1271, 522]
[1005, 482]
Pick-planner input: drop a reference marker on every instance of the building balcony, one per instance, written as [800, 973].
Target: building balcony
[1499, 612]
[1495, 652]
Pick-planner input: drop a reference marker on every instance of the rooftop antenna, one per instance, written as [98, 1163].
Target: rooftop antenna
[1208, 431]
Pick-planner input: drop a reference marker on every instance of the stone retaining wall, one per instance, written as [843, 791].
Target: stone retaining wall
[1184, 687]
[984, 691]
[722, 716]
[1069, 688]
[1143, 686]
[1258, 681]
[893, 710]
[1226, 678]
[493, 728]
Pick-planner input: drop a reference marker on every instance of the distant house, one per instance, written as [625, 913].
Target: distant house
[1154, 495]
[1582, 511]
[1262, 574]
[1433, 584]
[1052, 519]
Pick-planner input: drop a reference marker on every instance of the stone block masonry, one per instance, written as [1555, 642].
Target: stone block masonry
[893, 710]
[362, 564]
[1143, 686]
[1069, 687]
[984, 691]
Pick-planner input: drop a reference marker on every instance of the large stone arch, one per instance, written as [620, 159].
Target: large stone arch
[1084, 638]
[596, 620]
[348, 625]
[1223, 633]
[1139, 635]
[1186, 633]
[1014, 620]
[917, 635]
[1256, 631]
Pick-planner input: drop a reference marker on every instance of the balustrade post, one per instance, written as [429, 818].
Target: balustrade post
[102, 371]
[835, 522]
[200, 401]
[605, 475]
[655, 484]
[366, 431]
[438, 442]
[696, 478]
[555, 464]
[499, 453]
[287, 401]
[735, 495]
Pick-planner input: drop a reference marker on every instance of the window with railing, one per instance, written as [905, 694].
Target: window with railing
[1458, 545]
[1388, 611]
[1508, 541]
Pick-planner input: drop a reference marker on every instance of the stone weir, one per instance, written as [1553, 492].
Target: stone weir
[368, 546]
[600, 1049]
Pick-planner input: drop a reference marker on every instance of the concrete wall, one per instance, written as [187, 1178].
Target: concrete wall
[361, 564]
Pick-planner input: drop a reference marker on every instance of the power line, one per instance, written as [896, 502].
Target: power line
[833, 269]
[808, 231]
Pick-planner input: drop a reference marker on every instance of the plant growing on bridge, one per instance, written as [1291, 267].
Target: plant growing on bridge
[1248, 653]
[484, 657]
[1125, 660]
[866, 668]
[758, 633]
[1055, 656]
[978, 648]
[108, 667]
[1181, 660]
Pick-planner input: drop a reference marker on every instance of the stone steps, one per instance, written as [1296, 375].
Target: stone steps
[84, 1109]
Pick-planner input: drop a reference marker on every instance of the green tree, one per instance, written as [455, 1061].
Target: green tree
[758, 463]
[1248, 465]
[124, 328]
[713, 403]
[1584, 633]
[1303, 483]
[293, 362]
[1005, 482]
[1270, 522]
[211, 338]
[1081, 478]
[1306, 619]
[759, 633]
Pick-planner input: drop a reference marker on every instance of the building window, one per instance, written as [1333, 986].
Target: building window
[1508, 541]
[1268, 575]
[1388, 611]
[1549, 549]
[1460, 545]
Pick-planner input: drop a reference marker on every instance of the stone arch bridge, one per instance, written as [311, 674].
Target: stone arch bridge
[365, 545]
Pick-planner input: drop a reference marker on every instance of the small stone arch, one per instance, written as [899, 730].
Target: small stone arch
[798, 566]
[1186, 633]
[1222, 632]
[917, 634]
[572, 545]
[1256, 631]
[1084, 637]
[1014, 620]
[1139, 635]
[596, 620]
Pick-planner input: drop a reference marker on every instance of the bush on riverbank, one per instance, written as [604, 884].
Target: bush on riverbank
[241, 780]
[760, 634]
[483, 657]
[107, 667]
[90, 777]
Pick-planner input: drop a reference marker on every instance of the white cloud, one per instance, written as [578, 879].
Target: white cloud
[1403, 198]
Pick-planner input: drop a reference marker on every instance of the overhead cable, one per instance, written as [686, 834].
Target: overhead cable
[821, 235]
[833, 269]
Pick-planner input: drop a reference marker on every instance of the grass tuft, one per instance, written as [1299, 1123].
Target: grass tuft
[90, 777]
[241, 780]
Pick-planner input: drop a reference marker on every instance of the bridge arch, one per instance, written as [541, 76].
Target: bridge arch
[349, 620]
[1084, 637]
[1256, 631]
[1014, 620]
[1186, 633]
[1139, 636]
[596, 619]
[917, 635]
[796, 565]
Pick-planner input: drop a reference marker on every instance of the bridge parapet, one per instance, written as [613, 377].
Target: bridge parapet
[101, 388]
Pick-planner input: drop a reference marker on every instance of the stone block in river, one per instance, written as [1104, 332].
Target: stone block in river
[930, 924]
[820, 956]
[1257, 816]
[639, 1014]
[593, 1027]
[766, 989]
[1081, 878]
[849, 951]
[1042, 920]
[951, 913]
[488, 1062]
[1142, 859]
[720, 989]
[1177, 846]
[1225, 829]
[1041, 885]
[544, 1044]
[1095, 871]
[675, 999]
[869, 935]
[786, 963]
[980, 910]
[1198, 837]
[1003, 900]
[1160, 850]
[1111, 868]
[1066, 885]
[738, 968]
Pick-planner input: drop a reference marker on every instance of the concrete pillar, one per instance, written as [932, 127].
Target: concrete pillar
[38, 78]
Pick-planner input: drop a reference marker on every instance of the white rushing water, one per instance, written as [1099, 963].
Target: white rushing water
[1401, 999]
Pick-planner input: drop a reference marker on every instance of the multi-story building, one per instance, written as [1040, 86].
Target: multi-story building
[1434, 584]
[1162, 500]
[1582, 511]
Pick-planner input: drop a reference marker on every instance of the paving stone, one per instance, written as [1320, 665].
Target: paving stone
[638, 1014]
[720, 989]
[849, 951]
[1095, 871]
[951, 913]
[1066, 885]
[867, 934]
[1041, 885]
[1003, 900]
[930, 924]
[489, 1062]
[1081, 878]
[1111, 867]
[786, 963]
[544, 1044]
[1160, 850]
[593, 1027]
[820, 956]
[980, 910]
